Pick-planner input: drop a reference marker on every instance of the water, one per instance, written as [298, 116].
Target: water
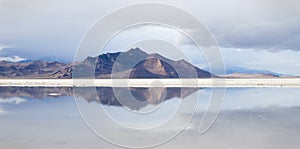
[50, 118]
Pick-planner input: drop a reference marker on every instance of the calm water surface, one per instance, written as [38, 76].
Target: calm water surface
[263, 118]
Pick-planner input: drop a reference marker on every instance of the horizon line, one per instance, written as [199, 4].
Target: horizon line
[164, 82]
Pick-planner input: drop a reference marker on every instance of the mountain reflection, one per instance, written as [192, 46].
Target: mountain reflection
[133, 98]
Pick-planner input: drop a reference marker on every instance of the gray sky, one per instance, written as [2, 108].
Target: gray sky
[52, 29]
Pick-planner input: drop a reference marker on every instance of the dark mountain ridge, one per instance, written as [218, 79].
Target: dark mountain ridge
[39, 69]
[148, 66]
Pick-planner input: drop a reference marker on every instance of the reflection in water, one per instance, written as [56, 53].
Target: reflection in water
[103, 95]
[34, 92]
[251, 118]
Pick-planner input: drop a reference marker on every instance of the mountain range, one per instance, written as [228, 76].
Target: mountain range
[244, 70]
[148, 66]
[133, 63]
[29, 69]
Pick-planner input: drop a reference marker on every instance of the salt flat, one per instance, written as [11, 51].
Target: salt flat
[197, 82]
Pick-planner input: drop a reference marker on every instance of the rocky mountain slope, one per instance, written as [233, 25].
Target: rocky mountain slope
[126, 66]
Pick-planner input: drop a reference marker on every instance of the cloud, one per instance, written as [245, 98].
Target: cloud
[7, 54]
[253, 24]
[250, 24]
[55, 28]
[284, 62]
[13, 100]
[272, 35]
[3, 46]
[12, 59]
[49, 28]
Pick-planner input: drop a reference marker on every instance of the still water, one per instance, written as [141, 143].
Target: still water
[34, 118]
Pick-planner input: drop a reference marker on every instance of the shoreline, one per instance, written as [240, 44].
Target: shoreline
[174, 82]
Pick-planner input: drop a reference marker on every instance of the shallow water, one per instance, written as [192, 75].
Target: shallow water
[50, 118]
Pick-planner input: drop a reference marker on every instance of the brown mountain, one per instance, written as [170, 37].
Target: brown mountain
[149, 66]
[131, 64]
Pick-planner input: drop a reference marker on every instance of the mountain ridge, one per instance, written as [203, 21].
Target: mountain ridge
[119, 65]
[123, 65]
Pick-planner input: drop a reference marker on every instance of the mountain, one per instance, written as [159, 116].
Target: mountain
[149, 66]
[124, 63]
[244, 75]
[121, 65]
[243, 72]
[30, 69]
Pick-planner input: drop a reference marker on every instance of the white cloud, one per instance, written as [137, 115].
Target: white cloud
[12, 59]
[9, 58]
[2, 46]
[244, 24]
[13, 100]
[156, 39]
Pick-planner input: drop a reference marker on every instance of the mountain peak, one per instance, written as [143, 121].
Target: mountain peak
[150, 66]
[136, 49]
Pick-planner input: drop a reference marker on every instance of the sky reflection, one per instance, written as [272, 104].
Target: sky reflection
[250, 118]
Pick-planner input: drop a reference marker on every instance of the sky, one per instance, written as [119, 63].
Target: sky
[252, 33]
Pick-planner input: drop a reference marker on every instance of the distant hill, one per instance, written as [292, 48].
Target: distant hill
[29, 69]
[242, 72]
[243, 75]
